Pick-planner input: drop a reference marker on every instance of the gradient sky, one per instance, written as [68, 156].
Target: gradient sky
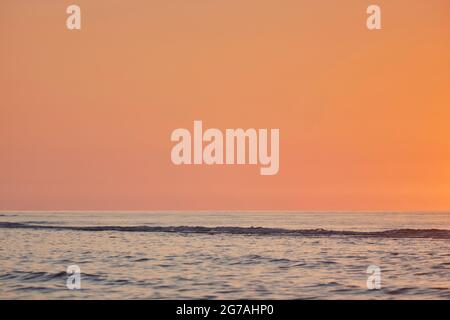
[86, 116]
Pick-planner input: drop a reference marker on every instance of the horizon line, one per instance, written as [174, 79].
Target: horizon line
[222, 211]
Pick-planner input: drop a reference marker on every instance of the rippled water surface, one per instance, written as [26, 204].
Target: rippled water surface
[213, 255]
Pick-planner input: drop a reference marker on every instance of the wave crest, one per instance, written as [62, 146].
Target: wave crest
[396, 233]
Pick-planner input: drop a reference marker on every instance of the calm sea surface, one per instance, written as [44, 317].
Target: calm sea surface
[224, 255]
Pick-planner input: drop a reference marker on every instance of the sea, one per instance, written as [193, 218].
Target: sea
[224, 255]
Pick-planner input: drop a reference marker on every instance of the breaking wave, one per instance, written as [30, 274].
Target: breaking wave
[260, 231]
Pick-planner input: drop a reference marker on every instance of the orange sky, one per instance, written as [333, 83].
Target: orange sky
[86, 116]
